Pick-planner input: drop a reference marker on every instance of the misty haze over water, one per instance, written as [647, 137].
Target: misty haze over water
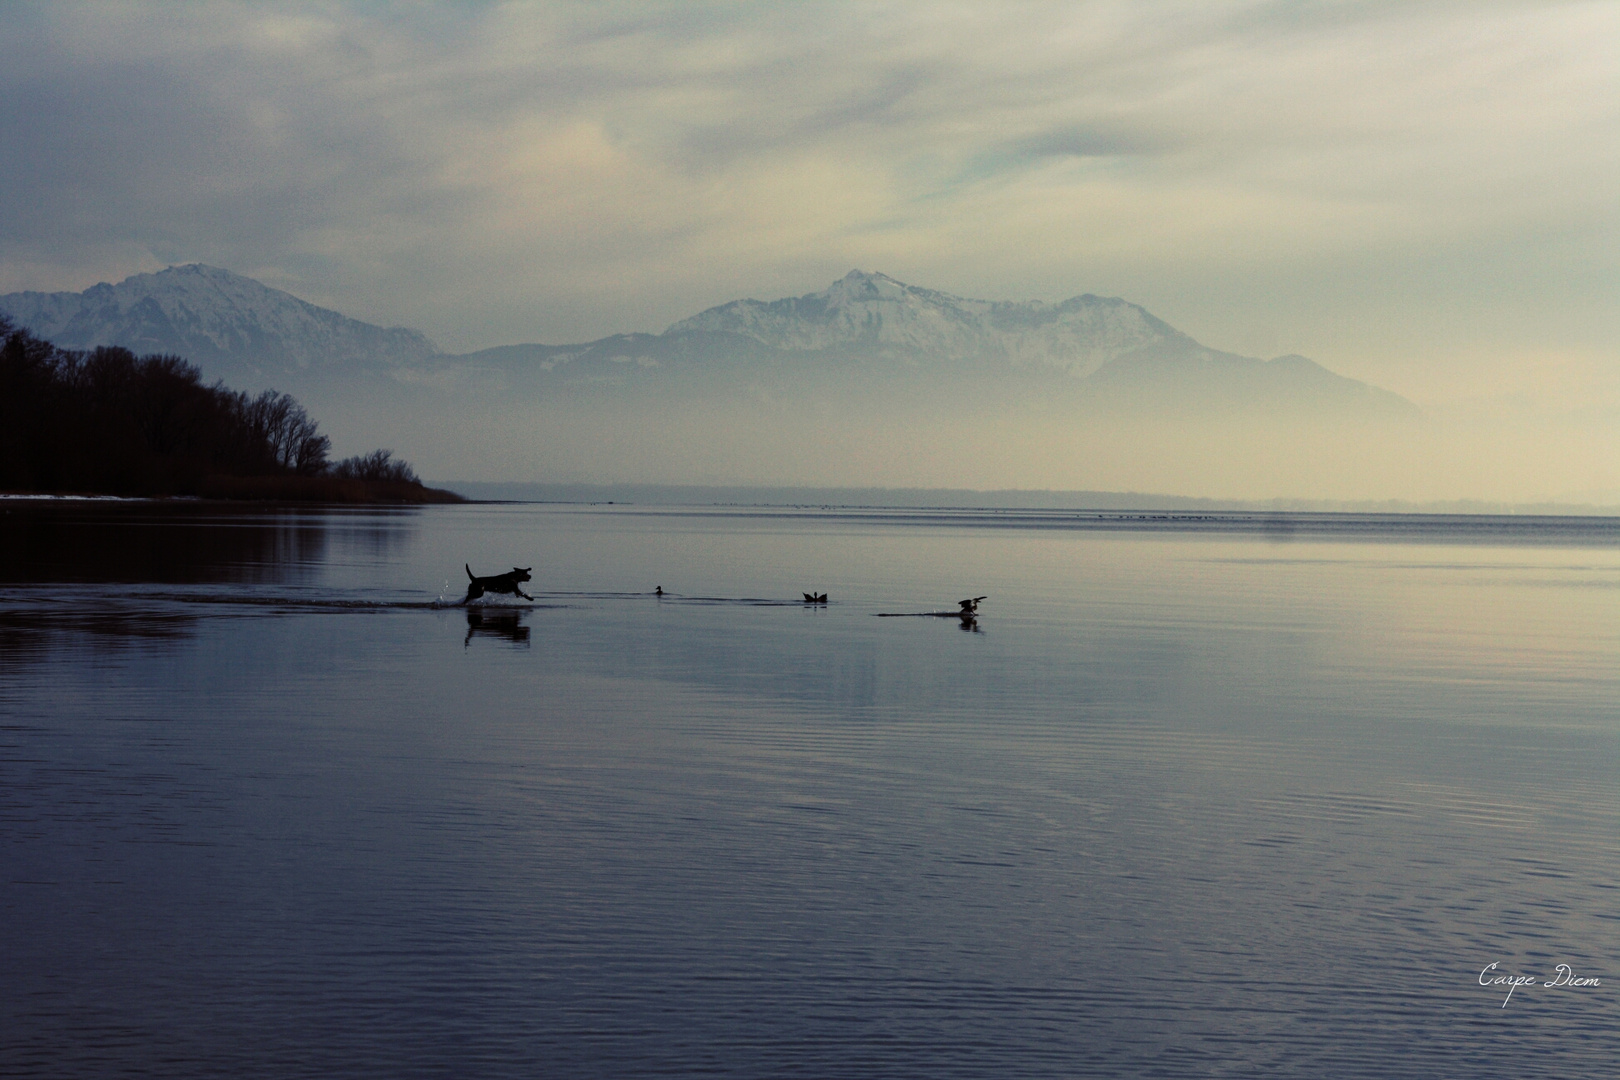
[867, 382]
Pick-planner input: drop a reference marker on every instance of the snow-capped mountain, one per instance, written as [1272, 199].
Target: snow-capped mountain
[868, 335]
[865, 337]
[876, 314]
[231, 326]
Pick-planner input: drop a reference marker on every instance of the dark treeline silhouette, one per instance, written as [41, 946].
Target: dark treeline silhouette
[109, 422]
[378, 466]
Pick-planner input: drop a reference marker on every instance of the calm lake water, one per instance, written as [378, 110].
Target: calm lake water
[1197, 795]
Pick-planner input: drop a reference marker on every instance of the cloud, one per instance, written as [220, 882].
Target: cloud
[1281, 172]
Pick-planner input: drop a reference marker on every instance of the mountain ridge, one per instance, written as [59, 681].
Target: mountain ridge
[877, 312]
[867, 331]
[863, 330]
[226, 323]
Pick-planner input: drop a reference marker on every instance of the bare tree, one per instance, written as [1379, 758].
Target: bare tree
[377, 465]
[294, 440]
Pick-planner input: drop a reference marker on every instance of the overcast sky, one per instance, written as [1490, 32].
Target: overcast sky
[1424, 195]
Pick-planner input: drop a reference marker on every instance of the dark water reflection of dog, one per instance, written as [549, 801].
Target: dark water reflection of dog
[506, 625]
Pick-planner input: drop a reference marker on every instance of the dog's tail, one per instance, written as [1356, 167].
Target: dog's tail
[467, 568]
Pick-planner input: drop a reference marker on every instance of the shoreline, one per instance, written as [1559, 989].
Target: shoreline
[313, 491]
[674, 495]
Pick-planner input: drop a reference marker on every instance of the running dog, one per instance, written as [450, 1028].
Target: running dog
[496, 583]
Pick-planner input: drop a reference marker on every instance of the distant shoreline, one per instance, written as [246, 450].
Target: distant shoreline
[311, 490]
[1003, 499]
[332, 491]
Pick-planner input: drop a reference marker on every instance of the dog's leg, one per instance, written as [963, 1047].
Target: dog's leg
[521, 593]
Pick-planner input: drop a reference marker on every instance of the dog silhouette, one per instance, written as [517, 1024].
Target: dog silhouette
[496, 583]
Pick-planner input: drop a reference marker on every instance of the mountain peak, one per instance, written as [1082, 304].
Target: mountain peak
[188, 273]
[858, 275]
[202, 269]
[226, 323]
[859, 285]
[209, 273]
[874, 314]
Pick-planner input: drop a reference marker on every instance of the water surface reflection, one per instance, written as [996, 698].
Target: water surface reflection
[1192, 803]
[503, 625]
[179, 542]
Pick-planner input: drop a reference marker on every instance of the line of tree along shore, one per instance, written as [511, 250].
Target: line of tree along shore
[108, 422]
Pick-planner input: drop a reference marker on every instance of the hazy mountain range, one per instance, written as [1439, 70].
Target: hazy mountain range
[863, 328]
[227, 324]
[868, 331]
[869, 382]
[875, 318]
